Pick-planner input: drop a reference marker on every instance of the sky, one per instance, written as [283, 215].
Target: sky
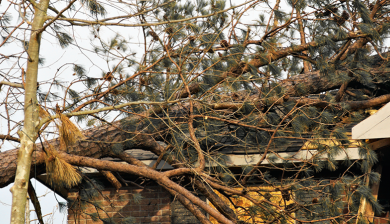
[47, 199]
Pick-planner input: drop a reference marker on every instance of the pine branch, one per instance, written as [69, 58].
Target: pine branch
[111, 178]
[84, 22]
[16, 85]
[35, 201]
[10, 138]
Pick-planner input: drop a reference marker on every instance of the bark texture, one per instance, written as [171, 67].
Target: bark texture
[31, 119]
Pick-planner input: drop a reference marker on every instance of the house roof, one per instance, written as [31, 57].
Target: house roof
[294, 150]
[374, 127]
[238, 160]
[232, 155]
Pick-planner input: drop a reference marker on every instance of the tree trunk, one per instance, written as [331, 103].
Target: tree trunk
[31, 119]
[306, 65]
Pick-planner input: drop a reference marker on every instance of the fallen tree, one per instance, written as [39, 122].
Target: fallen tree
[198, 94]
[97, 139]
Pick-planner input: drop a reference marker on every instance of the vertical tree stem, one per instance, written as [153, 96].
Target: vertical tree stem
[31, 120]
[306, 65]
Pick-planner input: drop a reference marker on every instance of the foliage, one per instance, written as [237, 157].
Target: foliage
[207, 82]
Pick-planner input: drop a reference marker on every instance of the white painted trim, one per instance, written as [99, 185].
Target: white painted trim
[375, 126]
[250, 160]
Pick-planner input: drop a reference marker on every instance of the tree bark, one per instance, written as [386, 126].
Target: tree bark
[306, 65]
[31, 118]
[35, 202]
[111, 178]
[220, 205]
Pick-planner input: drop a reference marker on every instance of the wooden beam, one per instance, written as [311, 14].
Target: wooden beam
[379, 143]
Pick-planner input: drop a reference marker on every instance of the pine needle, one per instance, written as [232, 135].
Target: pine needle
[69, 132]
[60, 172]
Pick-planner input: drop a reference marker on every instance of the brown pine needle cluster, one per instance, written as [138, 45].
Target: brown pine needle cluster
[59, 171]
[43, 113]
[69, 132]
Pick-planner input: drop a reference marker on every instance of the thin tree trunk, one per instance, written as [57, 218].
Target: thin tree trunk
[306, 65]
[31, 118]
[28, 211]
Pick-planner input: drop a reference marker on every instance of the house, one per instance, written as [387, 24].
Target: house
[376, 131]
[156, 205]
[151, 203]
